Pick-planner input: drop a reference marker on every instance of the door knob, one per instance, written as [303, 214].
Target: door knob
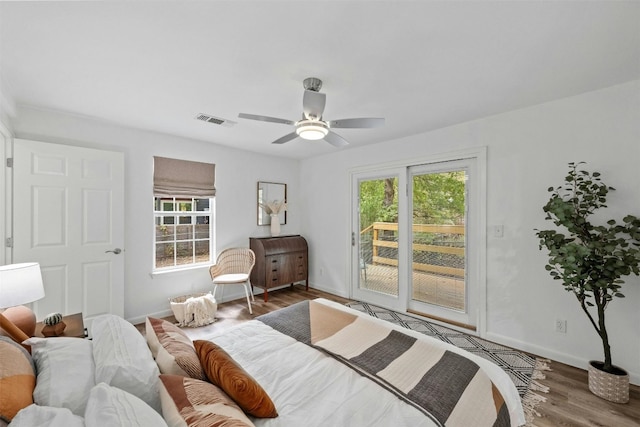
[115, 251]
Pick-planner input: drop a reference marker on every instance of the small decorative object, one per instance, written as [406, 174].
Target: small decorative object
[590, 260]
[53, 325]
[274, 208]
[52, 319]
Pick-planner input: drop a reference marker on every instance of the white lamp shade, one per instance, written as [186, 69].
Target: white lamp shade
[20, 284]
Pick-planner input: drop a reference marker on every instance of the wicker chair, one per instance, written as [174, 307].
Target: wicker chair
[233, 267]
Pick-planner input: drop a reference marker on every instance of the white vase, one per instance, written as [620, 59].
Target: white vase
[275, 225]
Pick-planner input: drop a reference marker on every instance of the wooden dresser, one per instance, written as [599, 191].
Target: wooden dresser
[280, 261]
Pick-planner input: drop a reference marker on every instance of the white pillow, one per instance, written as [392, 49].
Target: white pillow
[46, 416]
[110, 406]
[65, 371]
[124, 360]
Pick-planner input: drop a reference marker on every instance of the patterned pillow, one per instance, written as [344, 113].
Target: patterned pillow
[194, 403]
[172, 349]
[224, 372]
[17, 378]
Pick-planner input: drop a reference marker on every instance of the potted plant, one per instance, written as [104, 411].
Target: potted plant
[590, 260]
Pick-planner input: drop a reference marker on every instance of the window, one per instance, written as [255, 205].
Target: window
[183, 213]
[183, 231]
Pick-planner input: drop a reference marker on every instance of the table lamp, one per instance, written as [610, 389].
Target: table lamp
[19, 284]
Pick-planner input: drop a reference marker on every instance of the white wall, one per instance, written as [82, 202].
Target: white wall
[237, 173]
[528, 151]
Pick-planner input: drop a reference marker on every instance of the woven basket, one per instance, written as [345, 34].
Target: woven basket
[611, 387]
[194, 310]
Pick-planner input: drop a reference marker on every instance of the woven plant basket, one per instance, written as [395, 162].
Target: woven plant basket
[611, 387]
[194, 310]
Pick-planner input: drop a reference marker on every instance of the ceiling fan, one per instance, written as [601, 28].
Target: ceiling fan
[312, 126]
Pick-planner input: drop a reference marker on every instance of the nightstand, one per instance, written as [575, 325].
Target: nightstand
[75, 327]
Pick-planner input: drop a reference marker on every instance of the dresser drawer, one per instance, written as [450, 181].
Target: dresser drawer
[284, 269]
[275, 270]
[300, 267]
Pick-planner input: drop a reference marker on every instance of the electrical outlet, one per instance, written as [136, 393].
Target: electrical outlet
[561, 326]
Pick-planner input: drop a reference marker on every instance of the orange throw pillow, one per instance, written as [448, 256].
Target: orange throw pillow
[224, 372]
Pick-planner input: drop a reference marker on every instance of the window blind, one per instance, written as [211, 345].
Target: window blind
[173, 177]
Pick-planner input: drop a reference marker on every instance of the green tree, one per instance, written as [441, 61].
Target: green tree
[378, 201]
[438, 198]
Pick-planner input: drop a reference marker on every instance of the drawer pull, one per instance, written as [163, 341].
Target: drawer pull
[274, 260]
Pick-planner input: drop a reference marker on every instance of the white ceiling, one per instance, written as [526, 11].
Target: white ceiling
[422, 65]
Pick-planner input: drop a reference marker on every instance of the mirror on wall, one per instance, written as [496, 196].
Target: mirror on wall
[271, 194]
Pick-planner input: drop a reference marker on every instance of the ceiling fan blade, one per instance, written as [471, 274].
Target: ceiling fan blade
[364, 122]
[335, 139]
[313, 104]
[266, 119]
[288, 137]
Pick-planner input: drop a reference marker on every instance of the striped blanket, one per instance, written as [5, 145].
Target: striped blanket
[447, 387]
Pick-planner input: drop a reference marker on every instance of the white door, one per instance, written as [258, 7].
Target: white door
[377, 250]
[68, 215]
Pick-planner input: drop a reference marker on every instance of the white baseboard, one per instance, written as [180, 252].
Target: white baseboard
[331, 291]
[157, 314]
[568, 359]
[228, 296]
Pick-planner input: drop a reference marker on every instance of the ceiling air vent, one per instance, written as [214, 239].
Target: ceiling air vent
[215, 120]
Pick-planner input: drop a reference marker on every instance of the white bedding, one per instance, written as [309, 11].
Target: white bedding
[312, 389]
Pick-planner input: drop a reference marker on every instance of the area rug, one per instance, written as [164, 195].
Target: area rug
[523, 369]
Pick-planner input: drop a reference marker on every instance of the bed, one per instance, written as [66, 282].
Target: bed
[316, 363]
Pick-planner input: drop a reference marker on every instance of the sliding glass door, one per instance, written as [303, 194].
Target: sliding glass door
[375, 238]
[415, 234]
[439, 200]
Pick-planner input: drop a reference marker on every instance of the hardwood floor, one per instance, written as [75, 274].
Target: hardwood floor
[569, 402]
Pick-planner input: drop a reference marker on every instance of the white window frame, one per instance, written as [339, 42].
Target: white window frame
[176, 214]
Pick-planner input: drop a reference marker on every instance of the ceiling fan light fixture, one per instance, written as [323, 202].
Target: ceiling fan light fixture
[312, 129]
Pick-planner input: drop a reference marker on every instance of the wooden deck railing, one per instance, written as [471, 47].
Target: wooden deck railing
[417, 228]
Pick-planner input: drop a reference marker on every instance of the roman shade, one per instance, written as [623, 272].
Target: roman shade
[173, 177]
